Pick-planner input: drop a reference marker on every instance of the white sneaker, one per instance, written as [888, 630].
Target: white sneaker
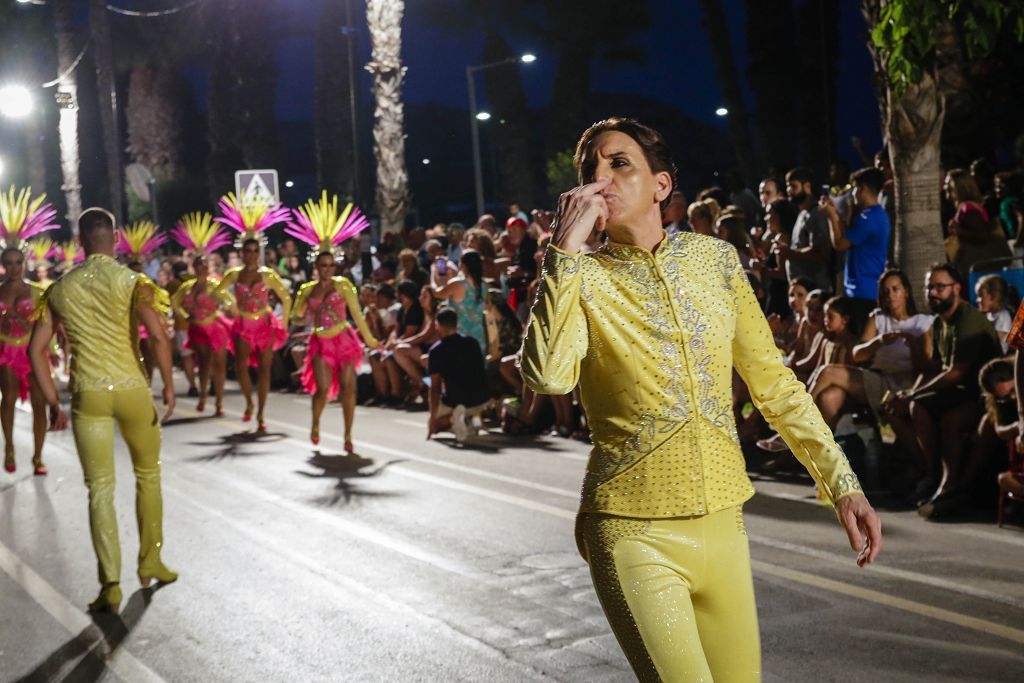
[459, 427]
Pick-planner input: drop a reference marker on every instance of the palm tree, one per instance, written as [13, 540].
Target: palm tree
[67, 103]
[384, 18]
[106, 87]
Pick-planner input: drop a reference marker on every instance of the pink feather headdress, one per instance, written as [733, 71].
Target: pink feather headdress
[138, 239]
[320, 225]
[250, 220]
[22, 217]
[196, 232]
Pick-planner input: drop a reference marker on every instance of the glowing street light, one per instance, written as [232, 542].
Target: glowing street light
[426, 162]
[15, 101]
[289, 183]
[528, 58]
[721, 111]
[483, 116]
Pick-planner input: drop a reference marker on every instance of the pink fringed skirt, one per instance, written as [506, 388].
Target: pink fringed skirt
[341, 350]
[259, 334]
[216, 335]
[16, 358]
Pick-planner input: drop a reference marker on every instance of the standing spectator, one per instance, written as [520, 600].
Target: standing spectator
[1009, 191]
[457, 385]
[466, 294]
[809, 253]
[993, 294]
[887, 200]
[984, 177]
[515, 211]
[769, 190]
[523, 267]
[742, 196]
[732, 228]
[674, 216]
[489, 223]
[971, 236]
[865, 242]
[454, 233]
[932, 418]
[779, 217]
[479, 241]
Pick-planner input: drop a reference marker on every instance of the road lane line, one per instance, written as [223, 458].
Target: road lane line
[334, 579]
[74, 620]
[1004, 537]
[887, 600]
[565, 514]
[904, 574]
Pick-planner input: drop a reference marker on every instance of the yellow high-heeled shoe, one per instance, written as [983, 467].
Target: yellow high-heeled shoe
[109, 599]
[159, 573]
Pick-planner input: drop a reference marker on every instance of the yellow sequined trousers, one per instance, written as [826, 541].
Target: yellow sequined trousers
[678, 594]
[93, 414]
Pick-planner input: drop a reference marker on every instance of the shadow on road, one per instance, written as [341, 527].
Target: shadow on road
[93, 646]
[347, 469]
[233, 445]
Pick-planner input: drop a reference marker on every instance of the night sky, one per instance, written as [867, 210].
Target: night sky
[678, 69]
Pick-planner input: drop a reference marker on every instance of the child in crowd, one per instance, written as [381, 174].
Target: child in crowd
[992, 294]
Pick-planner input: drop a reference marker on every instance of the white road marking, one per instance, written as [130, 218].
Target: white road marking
[1006, 536]
[73, 619]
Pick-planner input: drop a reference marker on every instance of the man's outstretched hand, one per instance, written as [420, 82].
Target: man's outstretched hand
[863, 526]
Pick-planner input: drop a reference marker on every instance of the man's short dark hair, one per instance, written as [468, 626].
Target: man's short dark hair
[947, 268]
[94, 220]
[408, 288]
[869, 177]
[386, 291]
[801, 174]
[654, 147]
[447, 318]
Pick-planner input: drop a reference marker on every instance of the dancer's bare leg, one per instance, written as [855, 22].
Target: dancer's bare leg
[242, 371]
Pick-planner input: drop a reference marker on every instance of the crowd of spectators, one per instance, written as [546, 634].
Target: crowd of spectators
[450, 305]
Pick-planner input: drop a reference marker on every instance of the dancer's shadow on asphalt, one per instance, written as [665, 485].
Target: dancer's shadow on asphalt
[178, 421]
[234, 445]
[347, 469]
[94, 646]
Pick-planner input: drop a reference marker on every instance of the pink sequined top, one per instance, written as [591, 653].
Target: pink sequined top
[16, 321]
[254, 301]
[202, 308]
[329, 313]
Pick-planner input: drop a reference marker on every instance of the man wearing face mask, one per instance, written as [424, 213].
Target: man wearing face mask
[943, 405]
[651, 326]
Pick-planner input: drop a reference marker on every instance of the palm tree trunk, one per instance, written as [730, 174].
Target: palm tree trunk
[384, 18]
[67, 104]
[713, 18]
[106, 87]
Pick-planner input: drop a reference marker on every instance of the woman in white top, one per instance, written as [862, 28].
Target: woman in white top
[992, 293]
[892, 348]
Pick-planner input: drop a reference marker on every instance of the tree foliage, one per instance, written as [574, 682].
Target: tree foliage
[906, 37]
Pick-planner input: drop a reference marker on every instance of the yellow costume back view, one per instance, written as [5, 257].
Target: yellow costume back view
[97, 302]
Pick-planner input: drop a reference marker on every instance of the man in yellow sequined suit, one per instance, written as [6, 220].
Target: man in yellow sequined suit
[650, 327]
[100, 305]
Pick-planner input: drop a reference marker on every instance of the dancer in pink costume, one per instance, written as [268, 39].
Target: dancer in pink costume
[199, 302]
[21, 217]
[257, 332]
[334, 351]
[134, 244]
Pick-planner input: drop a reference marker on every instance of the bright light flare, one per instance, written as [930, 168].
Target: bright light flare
[721, 111]
[528, 58]
[15, 101]
[483, 116]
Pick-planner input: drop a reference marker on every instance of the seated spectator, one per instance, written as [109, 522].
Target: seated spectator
[479, 241]
[1009, 190]
[932, 418]
[993, 294]
[489, 223]
[504, 336]
[409, 268]
[832, 346]
[779, 216]
[702, 216]
[410, 352]
[408, 320]
[797, 332]
[458, 388]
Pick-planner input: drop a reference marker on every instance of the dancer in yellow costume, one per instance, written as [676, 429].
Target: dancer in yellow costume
[650, 326]
[100, 305]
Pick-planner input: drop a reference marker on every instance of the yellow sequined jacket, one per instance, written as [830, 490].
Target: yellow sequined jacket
[97, 302]
[652, 340]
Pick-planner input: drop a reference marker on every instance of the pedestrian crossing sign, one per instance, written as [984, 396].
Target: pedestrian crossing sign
[258, 186]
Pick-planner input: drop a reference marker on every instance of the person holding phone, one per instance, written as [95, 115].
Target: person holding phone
[99, 303]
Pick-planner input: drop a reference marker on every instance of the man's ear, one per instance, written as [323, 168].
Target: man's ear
[663, 182]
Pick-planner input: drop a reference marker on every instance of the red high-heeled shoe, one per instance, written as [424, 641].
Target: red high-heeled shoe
[247, 415]
[349, 448]
[219, 413]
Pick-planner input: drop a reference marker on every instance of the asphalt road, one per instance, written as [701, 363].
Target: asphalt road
[425, 561]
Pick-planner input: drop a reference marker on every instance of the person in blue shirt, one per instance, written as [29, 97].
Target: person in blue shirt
[865, 242]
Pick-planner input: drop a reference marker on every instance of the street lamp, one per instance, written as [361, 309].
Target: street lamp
[15, 101]
[475, 117]
[721, 111]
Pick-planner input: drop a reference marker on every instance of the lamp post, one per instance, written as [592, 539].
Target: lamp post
[475, 117]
